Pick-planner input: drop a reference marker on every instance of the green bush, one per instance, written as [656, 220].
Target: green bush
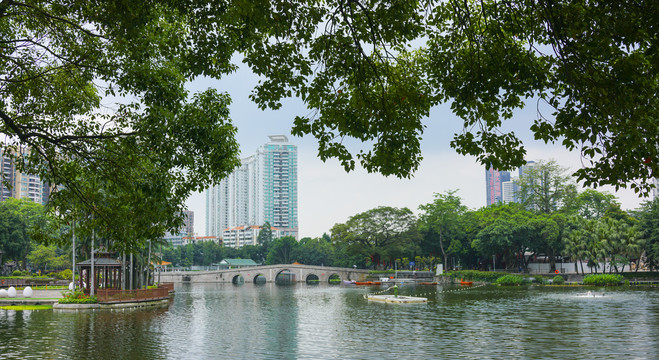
[510, 280]
[558, 280]
[77, 297]
[388, 271]
[602, 279]
[65, 274]
[18, 273]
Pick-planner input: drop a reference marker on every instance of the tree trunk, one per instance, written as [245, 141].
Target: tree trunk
[441, 246]
[552, 259]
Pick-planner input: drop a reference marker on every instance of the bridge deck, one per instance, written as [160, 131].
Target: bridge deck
[266, 273]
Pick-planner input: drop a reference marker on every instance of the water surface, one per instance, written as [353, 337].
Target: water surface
[221, 321]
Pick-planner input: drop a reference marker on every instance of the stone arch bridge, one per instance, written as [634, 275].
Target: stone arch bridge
[267, 273]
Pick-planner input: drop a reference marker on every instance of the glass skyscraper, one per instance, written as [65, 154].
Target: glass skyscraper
[494, 180]
[263, 189]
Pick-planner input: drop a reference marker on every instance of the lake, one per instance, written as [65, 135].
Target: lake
[222, 321]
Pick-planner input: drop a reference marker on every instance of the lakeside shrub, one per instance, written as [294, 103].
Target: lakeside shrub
[641, 275]
[540, 279]
[388, 271]
[77, 297]
[475, 275]
[558, 280]
[509, 280]
[602, 279]
[64, 274]
[18, 273]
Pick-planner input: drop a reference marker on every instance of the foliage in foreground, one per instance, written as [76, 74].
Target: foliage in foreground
[77, 297]
[510, 280]
[602, 279]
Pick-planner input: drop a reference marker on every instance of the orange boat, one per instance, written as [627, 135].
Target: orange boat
[363, 283]
[462, 282]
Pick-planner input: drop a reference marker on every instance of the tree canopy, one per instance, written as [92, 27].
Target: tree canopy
[86, 85]
[378, 232]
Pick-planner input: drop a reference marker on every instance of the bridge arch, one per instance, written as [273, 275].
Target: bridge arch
[334, 279]
[238, 279]
[285, 277]
[312, 279]
[259, 279]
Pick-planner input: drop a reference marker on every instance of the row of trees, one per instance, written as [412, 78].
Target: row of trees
[552, 221]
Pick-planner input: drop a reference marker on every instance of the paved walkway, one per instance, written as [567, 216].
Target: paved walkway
[43, 294]
[36, 296]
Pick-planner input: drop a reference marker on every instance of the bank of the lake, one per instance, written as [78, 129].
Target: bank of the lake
[220, 321]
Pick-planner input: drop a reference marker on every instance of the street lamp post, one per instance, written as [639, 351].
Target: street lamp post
[73, 233]
[91, 278]
[494, 262]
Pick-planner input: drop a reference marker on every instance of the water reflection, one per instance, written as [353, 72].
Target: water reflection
[220, 321]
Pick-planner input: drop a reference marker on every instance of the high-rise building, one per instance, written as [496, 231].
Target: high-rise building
[189, 222]
[494, 180]
[502, 188]
[509, 191]
[263, 189]
[18, 185]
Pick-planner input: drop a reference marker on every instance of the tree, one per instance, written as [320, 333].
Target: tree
[507, 231]
[378, 68]
[265, 235]
[21, 221]
[442, 217]
[377, 232]
[544, 234]
[648, 217]
[544, 187]
[318, 251]
[592, 204]
[282, 251]
[61, 63]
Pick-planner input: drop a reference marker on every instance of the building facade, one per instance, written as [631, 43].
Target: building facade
[504, 188]
[263, 189]
[240, 236]
[494, 180]
[18, 185]
[189, 222]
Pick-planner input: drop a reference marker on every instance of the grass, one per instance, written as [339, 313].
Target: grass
[26, 307]
[46, 287]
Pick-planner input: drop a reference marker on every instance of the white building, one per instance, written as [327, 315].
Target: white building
[240, 236]
[263, 189]
[509, 191]
[21, 185]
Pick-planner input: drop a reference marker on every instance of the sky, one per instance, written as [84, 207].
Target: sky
[327, 195]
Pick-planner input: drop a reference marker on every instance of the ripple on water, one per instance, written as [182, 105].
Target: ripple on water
[219, 321]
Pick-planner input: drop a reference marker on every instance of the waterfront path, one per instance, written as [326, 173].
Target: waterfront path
[39, 297]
